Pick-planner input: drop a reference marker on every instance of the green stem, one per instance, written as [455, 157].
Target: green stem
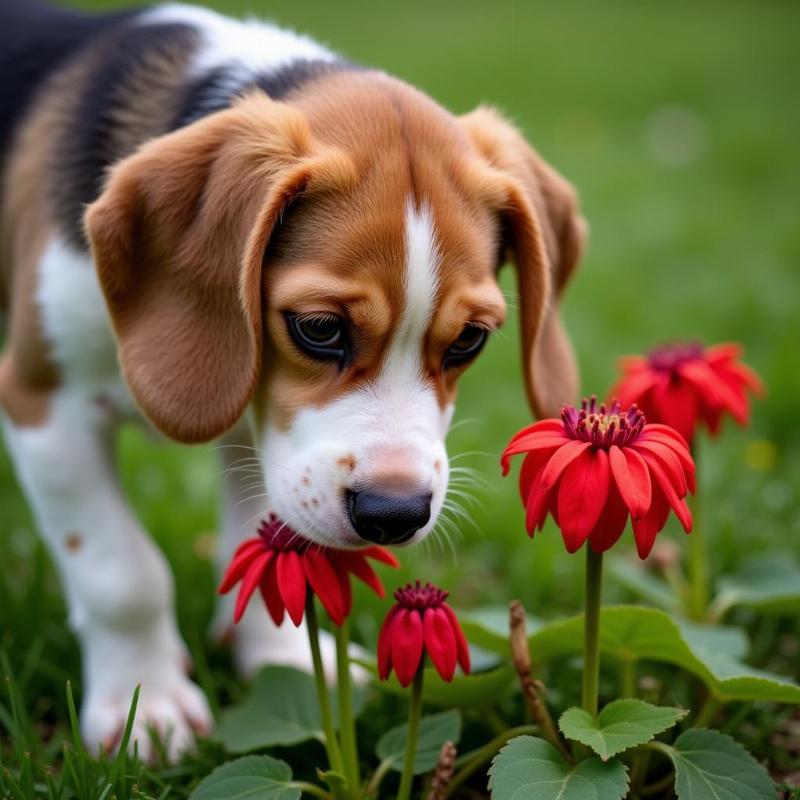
[707, 712]
[472, 761]
[591, 635]
[414, 715]
[347, 723]
[699, 573]
[324, 700]
[380, 773]
[310, 788]
[627, 677]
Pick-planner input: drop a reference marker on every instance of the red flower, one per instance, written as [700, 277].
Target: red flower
[421, 622]
[283, 565]
[593, 467]
[683, 384]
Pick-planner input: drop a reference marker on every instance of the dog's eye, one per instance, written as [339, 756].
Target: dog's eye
[321, 336]
[468, 344]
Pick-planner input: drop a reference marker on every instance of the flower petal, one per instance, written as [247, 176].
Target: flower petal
[271, 594]
[678, 406]
[250, 583]
[669, 461]
[611, 523]
[361, 568]
[240, 562]
[381, 554]
[440, 643]
[582, 495]
[537, 502]
[407, 640]
[292, 584]
[535, 441]
[462, 648]
[385, 644]
[645, 530]
[678, 505]
[668, 437]
[530, 471]
[325, 583]
[561, 459]
[632, 479]
[633, 386]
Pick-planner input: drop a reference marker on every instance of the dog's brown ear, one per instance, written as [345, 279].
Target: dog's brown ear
[546, 234]
[178, 238]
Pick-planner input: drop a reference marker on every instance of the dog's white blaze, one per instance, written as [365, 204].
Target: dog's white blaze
[253, 45]
[404, 359]
[399, 410]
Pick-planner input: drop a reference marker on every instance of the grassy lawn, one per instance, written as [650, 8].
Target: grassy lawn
[679, 123]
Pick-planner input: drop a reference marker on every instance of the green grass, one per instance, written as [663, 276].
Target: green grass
[708, 248]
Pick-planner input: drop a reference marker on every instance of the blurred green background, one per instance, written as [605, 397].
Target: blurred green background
[679, 123]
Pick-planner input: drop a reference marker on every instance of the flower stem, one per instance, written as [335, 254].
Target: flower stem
[414, 715]
[347, 723]
[699, 573]
[310, 788]
[324, 700]
[469, 763]
[591, 635]
[627, 678]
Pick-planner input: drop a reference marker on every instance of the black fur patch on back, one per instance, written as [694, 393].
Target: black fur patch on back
[35, 40]
[86, 149]
[215, 90]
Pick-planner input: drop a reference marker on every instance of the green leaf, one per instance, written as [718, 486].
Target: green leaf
[434, 731]
[488, 627]
[531, 769]
[639, 581]
[634, 633]
[477, 690]
[770, 584]
[253, 777]
[711, 766]
[280, 709]
[619, 726]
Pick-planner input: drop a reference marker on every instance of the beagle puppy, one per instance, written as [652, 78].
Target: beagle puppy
[226, 230]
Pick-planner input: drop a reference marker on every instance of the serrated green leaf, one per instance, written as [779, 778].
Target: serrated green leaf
[280, 709]
[770, 584]
[251, 777]
[633, 633]
[531, 769]
[434, 731]
[619, 726]
[477, 690]
[711, 766]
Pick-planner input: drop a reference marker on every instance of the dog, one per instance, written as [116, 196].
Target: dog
[227, 231]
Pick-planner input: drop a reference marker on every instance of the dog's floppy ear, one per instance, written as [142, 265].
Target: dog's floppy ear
[546, 234]
[178, 237]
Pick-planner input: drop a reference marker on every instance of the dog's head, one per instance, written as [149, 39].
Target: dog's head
[333, 264]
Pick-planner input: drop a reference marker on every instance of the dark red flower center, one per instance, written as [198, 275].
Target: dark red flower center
[420, 597]
[668, 358]
[279, 536]
[602, 425]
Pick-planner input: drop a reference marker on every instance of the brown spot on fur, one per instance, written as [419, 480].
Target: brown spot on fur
[306, 480]
[347, 462]
[73, 542]
[437, 465]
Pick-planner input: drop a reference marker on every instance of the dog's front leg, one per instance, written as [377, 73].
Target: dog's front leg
[118, 584]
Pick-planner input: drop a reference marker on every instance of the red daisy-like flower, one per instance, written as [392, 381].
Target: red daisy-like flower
[421, 622]
[594, 467]
[684, 384]
[283, 566]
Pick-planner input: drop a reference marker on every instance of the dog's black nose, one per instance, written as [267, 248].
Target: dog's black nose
[388, 520]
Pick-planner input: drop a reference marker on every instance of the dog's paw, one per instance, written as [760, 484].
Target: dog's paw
[170, 712]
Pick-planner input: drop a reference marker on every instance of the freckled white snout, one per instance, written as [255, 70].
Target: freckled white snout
[387, 518]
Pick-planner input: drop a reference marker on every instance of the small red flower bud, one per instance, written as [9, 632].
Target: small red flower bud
[284, 566]
[421, 622]
[597, 465]
[683, 385]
